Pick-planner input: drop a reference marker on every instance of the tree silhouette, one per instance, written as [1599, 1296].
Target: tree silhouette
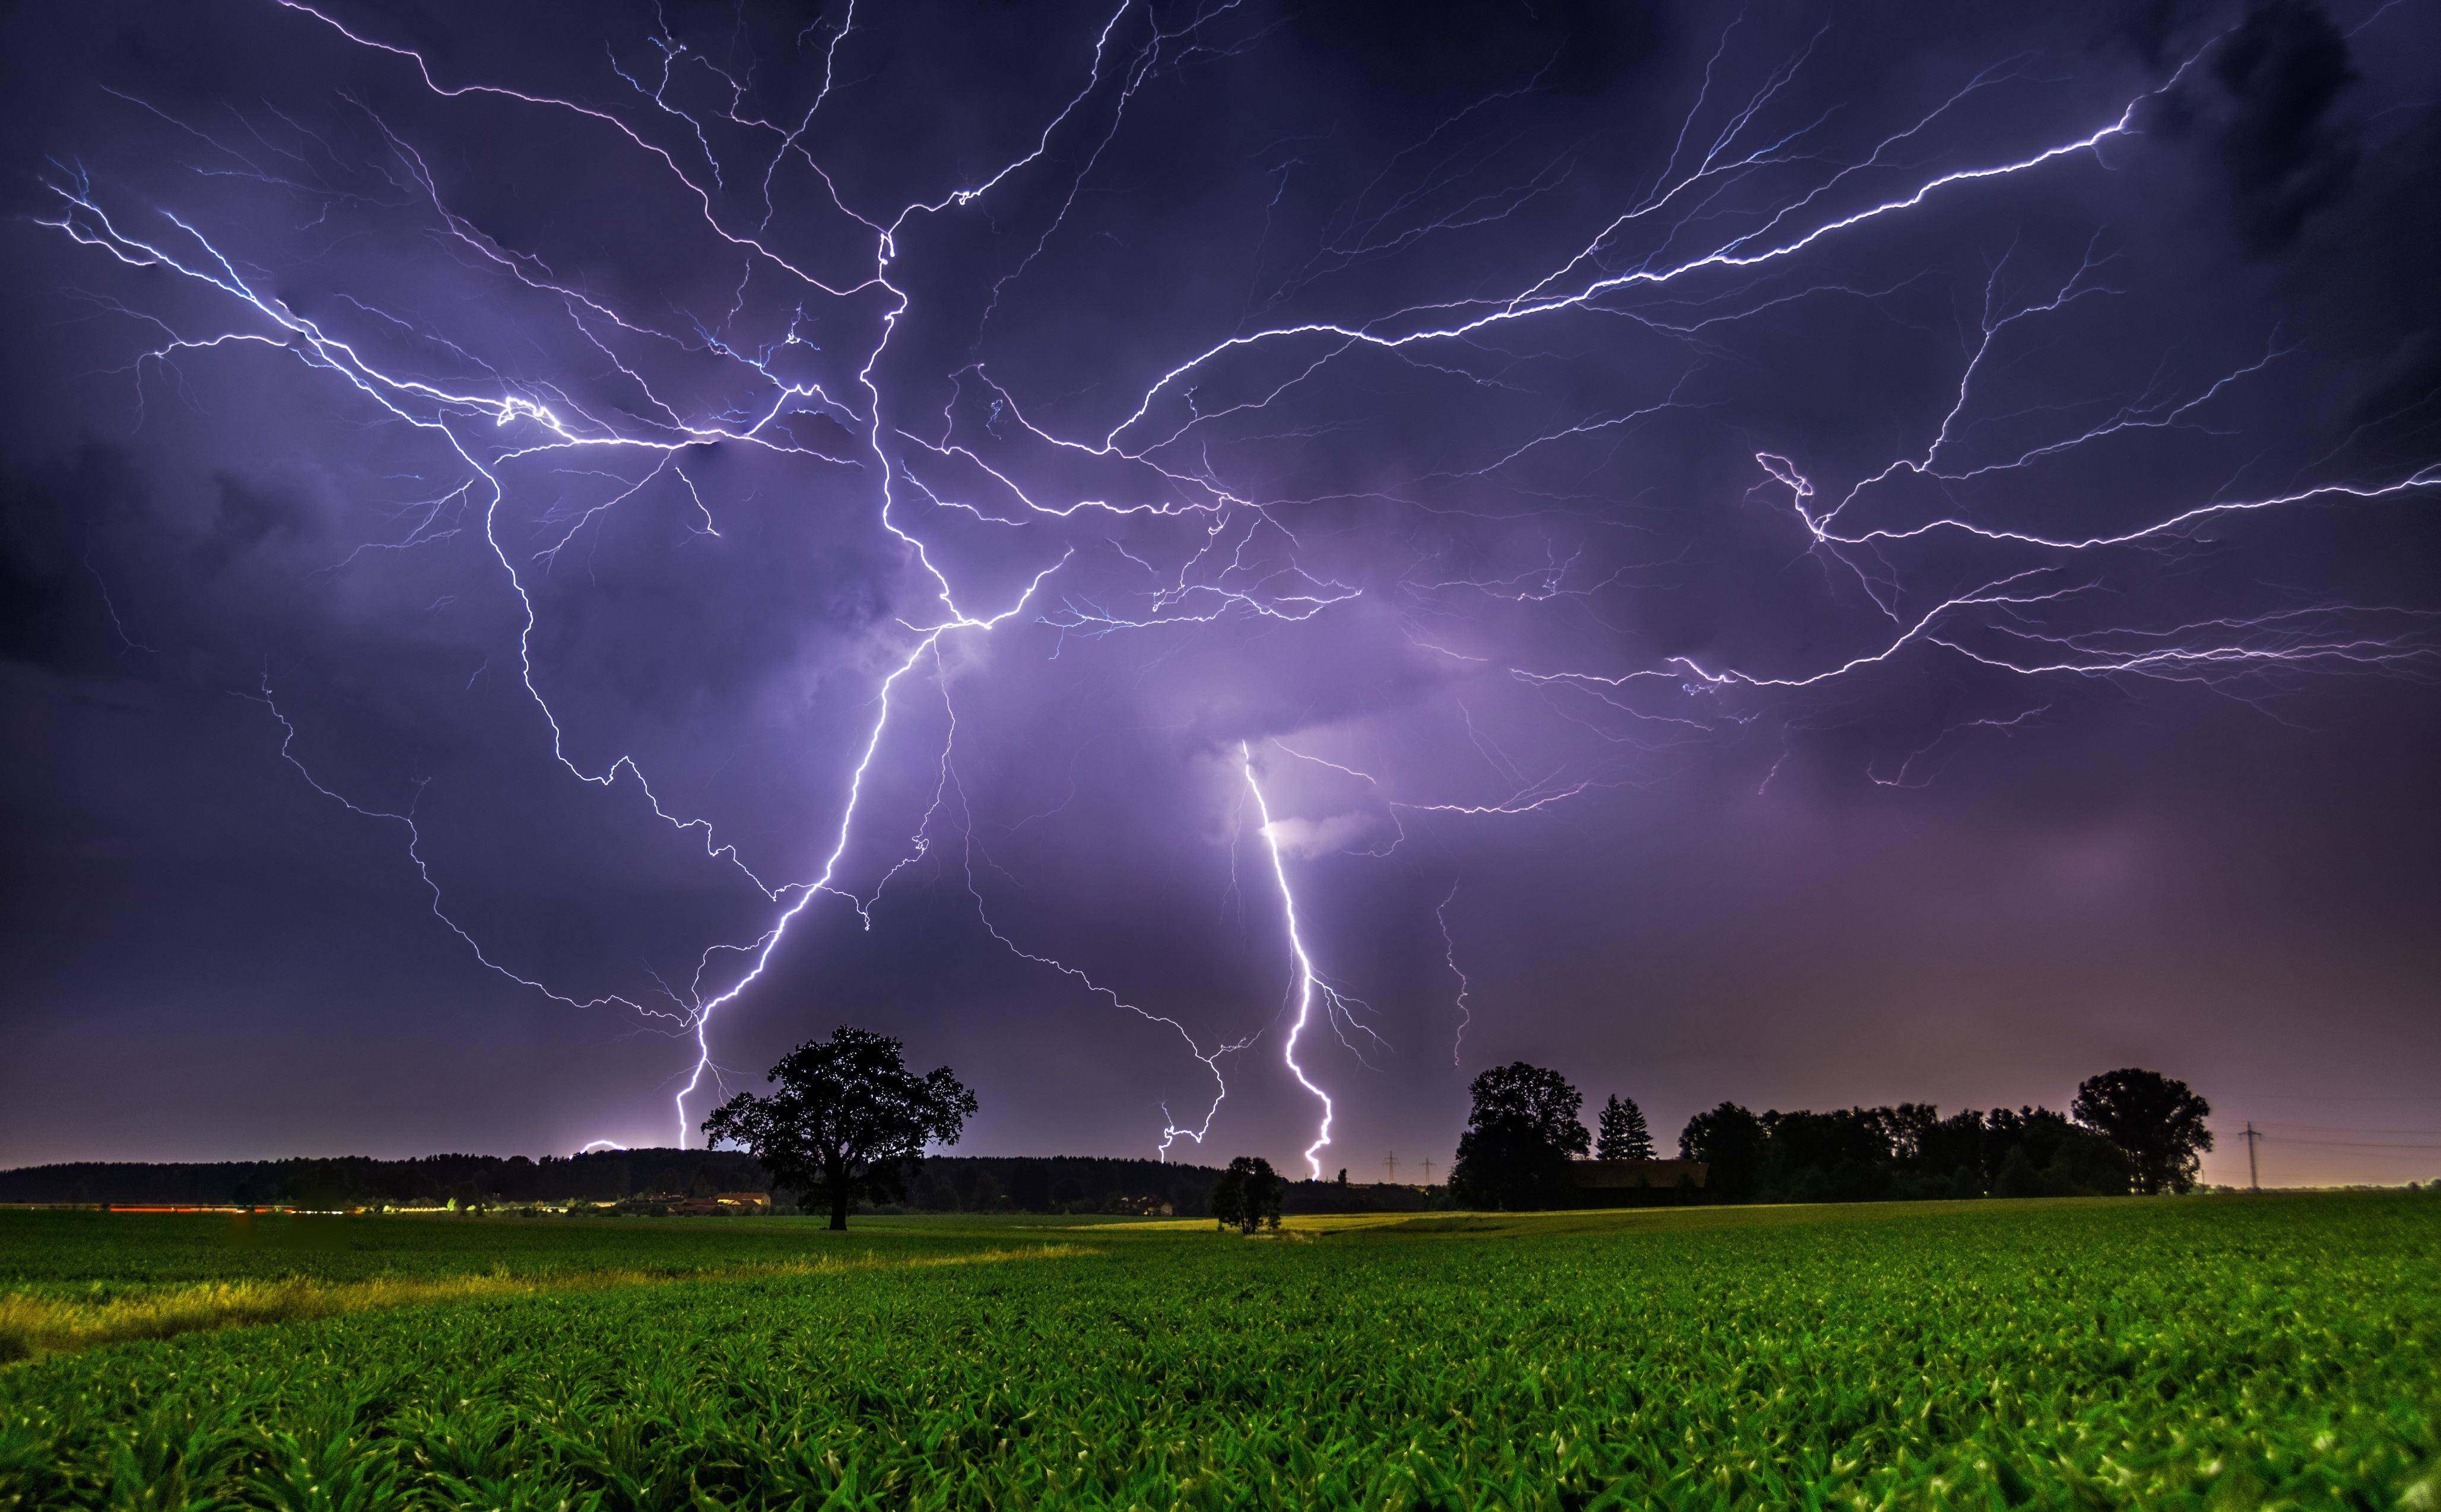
[2156, 1120]
[849, 1120]
[1523, 1129]
[1729, 1138]
[1624, 1136]
[1248, 1194]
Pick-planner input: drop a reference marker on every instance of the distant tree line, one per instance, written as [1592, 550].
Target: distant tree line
[944, 1184]
[2128, 1130]
[1909, 1151]
[355, 1181]
[848, 1124]
[1085, 1185]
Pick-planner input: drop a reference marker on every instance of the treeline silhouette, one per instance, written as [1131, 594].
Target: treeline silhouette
[1906, 1152]
[1075, 1184]
[988, 1183]
[2128, 1130]
[355, 1181]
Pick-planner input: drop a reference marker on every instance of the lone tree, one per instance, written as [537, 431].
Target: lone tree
[2156, 1120]
[849, 1121]
[1623, 1134]
[1248, 1194]
[1518, 1139]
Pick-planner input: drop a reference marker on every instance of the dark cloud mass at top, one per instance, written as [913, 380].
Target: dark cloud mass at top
[1810, 555]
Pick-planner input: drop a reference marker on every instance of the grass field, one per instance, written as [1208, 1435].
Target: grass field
[2282, 1351]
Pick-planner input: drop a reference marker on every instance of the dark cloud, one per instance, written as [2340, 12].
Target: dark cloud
[1414, 582]
[52, 613]
[2288, 156]
[246, 514]
[2269, 102]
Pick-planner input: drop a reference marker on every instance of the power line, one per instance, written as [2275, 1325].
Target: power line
[2340, 1097]
[2254, 1137]
[2334, 1128]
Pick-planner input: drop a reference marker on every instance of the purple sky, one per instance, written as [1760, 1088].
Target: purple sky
[1835, 557]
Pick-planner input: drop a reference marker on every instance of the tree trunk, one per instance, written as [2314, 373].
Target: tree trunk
[838, 1172]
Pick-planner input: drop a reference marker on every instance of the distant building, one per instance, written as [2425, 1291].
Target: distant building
[745, 1202]
[1637, 1183]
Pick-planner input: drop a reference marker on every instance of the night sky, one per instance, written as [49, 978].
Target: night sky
[1816, 556]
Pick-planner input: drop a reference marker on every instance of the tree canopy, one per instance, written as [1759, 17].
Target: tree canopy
[1248, 1194]
[1624, 1135]
[1730, 1140]
[1909, 1151]
[1519, 1137]
[2156, 1120]
[848, 1123]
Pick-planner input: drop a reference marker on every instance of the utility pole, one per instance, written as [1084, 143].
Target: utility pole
[2250, 1136]
[1393, 1163]
[1428, 1173]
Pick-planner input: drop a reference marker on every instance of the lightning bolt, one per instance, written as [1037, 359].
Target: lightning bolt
[1307, 984]
[1449, 957]
[1188, 528]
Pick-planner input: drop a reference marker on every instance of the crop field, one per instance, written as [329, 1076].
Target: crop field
[2282, 1350]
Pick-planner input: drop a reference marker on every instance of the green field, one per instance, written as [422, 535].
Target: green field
[2173, 1353]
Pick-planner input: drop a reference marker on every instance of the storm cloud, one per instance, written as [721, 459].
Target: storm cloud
[1821, 557]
